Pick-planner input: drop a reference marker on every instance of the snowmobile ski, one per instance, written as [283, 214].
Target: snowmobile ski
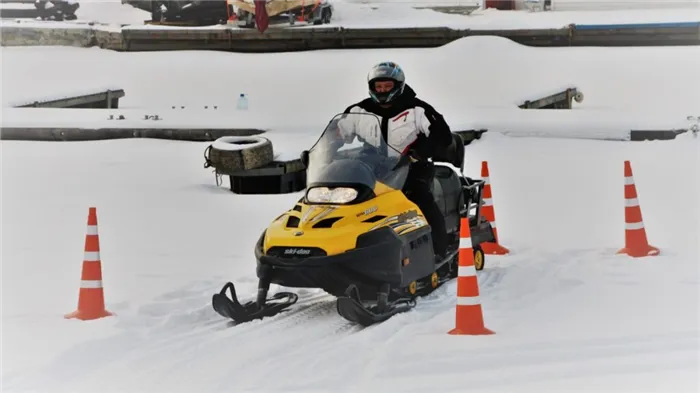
[231, 308]
[351, 308]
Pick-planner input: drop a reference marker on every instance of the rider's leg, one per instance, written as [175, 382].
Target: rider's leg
[433, 215]
[418, 191]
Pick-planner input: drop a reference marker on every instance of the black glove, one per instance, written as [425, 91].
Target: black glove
[420, 152]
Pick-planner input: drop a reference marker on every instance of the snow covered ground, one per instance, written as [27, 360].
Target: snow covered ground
[389, 14]
[568, 313]
[487, 78]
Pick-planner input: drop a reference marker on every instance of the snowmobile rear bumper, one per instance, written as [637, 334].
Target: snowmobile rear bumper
[377, 259]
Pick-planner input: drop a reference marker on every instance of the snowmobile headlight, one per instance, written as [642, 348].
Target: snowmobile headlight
[338, 195]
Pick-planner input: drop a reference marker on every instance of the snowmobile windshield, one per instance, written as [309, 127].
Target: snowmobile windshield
[352, 152]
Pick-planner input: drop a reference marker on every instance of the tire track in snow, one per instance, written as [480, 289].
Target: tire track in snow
[548, 361]
[438, 302]
[326, 331]
[179, 329]
[256, 349]
[184, 331]
[181, 323]
[313, 316]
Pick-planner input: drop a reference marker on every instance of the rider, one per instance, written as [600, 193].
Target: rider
[411, 126]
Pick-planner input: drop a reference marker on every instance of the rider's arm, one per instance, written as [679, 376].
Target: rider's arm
[347, 127]
[433, 125]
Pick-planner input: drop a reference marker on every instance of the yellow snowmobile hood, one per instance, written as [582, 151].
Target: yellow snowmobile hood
[335, 228]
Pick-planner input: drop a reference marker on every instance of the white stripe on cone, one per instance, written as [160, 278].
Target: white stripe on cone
[92, 229]
[634, 225]
[466, 271]
[465, 242]
[487, 201]
[91, 284]
[631, 202]
[629, 180]
[486, 180]
[91, 256]
[468, 301]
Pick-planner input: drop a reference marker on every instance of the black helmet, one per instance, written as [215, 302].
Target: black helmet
[387, 71]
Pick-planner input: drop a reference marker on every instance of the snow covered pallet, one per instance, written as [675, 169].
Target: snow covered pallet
[107, 99]
[250, 166]
[561, 100]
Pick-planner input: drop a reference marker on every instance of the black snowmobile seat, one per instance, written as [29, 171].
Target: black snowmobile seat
[453, 154]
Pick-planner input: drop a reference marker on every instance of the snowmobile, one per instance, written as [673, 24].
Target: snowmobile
[356, 235]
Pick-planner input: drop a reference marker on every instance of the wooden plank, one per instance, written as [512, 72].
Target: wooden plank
[94, 134]
[176, 34]
[635, 40]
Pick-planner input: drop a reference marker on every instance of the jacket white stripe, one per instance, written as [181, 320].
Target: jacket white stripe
[402, 130]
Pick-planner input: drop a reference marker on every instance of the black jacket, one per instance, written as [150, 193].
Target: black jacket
[423, 147]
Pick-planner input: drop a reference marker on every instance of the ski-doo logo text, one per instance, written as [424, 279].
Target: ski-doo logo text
[297, 251]
[368, 211]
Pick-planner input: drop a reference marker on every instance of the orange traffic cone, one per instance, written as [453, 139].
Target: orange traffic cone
[91, 302]
[469, 317]
[636, 244]
[490, 214]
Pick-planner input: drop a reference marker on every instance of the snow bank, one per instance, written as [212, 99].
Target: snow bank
[392, 15]
[483, 72]
[112, 12]
[602, 5]
[580, 124]
[401, 14]
[496, 19]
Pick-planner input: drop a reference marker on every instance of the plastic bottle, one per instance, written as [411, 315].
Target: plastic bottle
[242, 102]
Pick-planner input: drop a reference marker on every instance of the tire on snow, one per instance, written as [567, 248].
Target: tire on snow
[230, 154]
